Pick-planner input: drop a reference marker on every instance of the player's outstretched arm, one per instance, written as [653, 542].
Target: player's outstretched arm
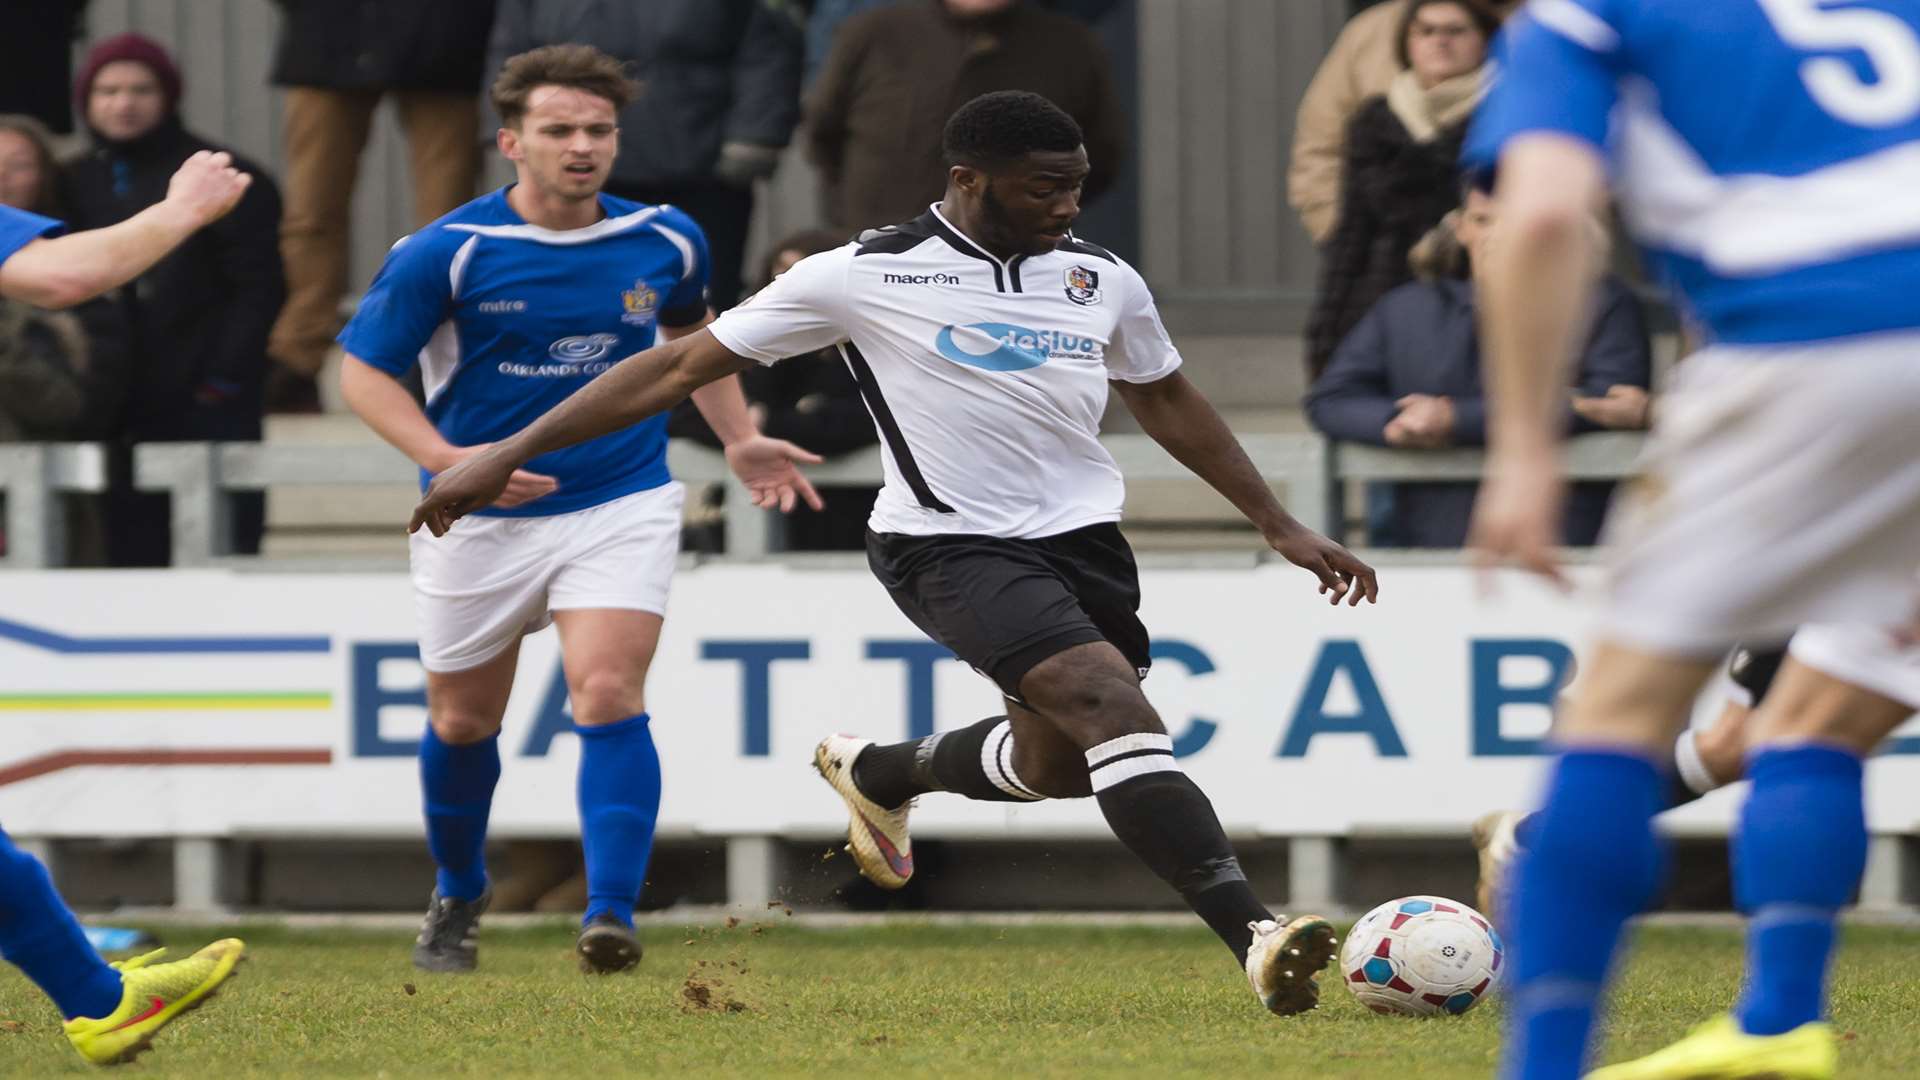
[764, 465]
[1537, 285]
[636, 388]
[1179, 417]
[69, 270]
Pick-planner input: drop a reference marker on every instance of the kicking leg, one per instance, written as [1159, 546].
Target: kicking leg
[1018, 757]
[606, 656]
[1595, 861]
[1091, 695]
[459, 767]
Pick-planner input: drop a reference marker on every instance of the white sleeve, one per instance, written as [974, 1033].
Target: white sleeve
[803, 310]
[1141, 351]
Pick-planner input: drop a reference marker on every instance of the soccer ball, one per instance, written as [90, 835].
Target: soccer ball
[1422, 956]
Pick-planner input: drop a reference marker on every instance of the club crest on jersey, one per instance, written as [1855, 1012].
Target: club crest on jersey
[640, 302]
[1083, 286]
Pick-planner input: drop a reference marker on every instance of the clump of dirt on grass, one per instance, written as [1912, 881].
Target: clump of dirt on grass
[708, 995]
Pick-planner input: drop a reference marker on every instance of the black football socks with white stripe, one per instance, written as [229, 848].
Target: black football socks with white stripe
[975, 762]
[1164, 818]
[1159, 813]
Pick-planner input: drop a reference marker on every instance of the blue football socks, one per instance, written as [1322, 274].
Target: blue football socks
[458, 782]
[1594, 863]
[41, 937]
[1799, 852]
[619, 803]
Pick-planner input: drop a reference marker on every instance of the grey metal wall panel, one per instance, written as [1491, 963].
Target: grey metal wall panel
[1220, 83]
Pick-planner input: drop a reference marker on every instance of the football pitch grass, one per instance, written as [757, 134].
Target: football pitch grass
[889, 1000]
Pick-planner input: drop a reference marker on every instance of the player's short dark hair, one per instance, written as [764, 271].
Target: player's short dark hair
[1005, 126]
[580, 67]
[1485, 19]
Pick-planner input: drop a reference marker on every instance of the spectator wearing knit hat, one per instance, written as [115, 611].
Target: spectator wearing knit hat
[198, 321]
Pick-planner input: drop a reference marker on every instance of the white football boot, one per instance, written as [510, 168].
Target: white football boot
[1284, 959]
[876, 836]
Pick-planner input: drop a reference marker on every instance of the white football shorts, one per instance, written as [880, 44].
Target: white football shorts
[1866, 656]
[491, 580]
[1780, 487]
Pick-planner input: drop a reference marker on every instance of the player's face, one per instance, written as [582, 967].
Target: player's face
[1443, 42]
[565, 144]
[1029, 207]
[21, 174]
[125, 101]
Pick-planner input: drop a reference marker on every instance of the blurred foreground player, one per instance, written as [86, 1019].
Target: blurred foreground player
[984, 337]
[112, 1011]
[1756, 145]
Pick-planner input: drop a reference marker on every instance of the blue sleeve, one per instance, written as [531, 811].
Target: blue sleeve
[19, 228]
[1557, 70]
[686, 303]
[1353, 400]
[408, 300]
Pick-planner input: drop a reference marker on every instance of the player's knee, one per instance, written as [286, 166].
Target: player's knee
[1092, 707]
[460, 727]
[606, 697]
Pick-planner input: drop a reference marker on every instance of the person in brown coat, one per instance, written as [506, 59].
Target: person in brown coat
[896, 73]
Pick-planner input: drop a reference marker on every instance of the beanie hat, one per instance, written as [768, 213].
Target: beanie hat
[135, 47]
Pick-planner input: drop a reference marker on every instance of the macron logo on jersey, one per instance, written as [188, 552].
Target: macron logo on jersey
[1006, 347]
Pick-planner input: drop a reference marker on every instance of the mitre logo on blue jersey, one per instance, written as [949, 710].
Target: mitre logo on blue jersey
[1004, 347]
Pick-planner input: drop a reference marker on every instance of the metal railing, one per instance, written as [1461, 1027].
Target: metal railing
[1310, 471]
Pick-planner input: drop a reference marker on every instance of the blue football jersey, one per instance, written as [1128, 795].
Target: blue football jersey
[18, 228]
[507, 319]
[1766, 152]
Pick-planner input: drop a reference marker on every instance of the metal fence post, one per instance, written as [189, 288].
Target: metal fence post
[199, 863]
[1313, 873]
[190, 474]
[753, 871]
[36, 534]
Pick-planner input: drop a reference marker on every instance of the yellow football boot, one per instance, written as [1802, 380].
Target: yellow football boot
[153, 996]
[1719, 1050]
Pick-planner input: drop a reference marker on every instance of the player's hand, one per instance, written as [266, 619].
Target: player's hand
[1624, 408]
[1516, 518]
[766, 467]
[480, 476]
[207, 186]
[1340, 573]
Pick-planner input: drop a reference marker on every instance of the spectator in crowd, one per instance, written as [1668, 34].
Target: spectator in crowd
[1360, 66]
[811, 400]
[895, 74]
[337, 60]
[61, 372]
[198, 321]
[824, 20]
[36, 61]
[1399, 176]
[719, 99]
[1409, 376]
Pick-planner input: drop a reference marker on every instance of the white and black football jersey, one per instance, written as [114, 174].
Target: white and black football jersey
[986, 377]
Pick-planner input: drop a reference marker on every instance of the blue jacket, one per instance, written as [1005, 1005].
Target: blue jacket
[1423, 339]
